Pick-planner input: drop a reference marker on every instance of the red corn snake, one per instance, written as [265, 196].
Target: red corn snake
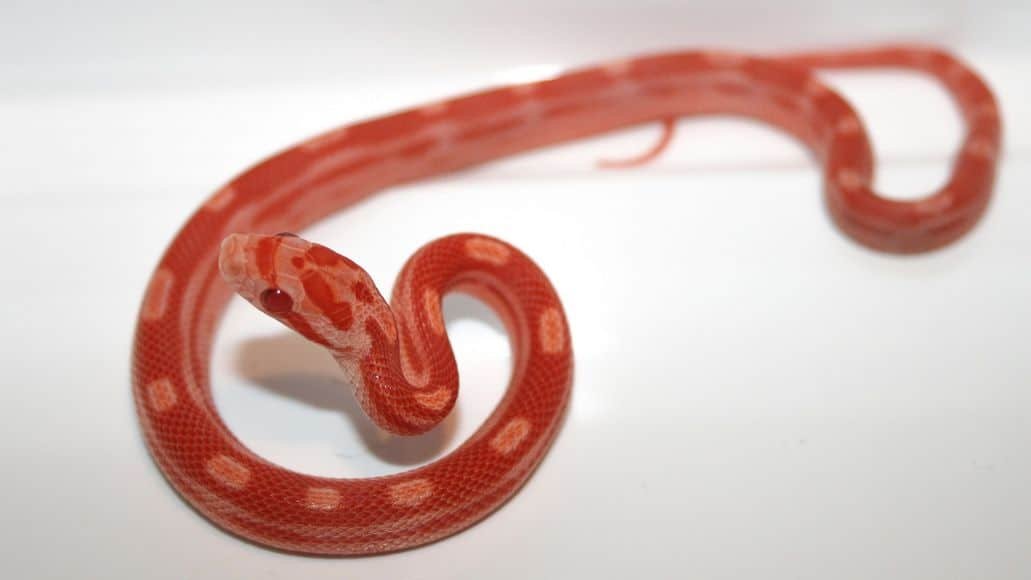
[397, 356]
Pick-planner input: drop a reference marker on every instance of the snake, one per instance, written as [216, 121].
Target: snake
[396, 353]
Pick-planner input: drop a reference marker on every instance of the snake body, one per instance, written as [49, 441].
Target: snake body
[397, 355]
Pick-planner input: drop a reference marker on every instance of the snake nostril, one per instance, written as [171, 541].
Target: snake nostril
[276, 301]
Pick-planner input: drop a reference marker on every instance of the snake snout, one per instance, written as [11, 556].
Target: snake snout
[232, 260]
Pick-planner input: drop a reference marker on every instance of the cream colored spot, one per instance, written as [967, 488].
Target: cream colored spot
[981, 148]
[155, 304]
[229, 472]
[487, 250]
[551, 331]
[411, 493]
[221, 199]
[162, 395]
[434, 109]
[431, 303]
[936, 203]
[850, 179]
[617, 68]
[323, 498]
[511, 435]
[847, 125]
[525, 89]
[434, 400]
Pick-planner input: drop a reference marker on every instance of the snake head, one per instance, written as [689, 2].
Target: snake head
[308, 287]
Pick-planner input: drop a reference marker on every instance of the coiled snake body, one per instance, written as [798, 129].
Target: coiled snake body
[397, 355]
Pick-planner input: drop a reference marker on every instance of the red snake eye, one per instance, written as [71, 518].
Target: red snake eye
[286, 235]
[276, 301]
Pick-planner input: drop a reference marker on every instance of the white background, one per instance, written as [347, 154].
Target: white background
[756, 396]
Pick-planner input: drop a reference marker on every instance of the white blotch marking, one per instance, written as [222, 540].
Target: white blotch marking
[526, 90]
[443, 135]
[981, 148]
[486, 250]
[411, 493]
[433, 400]
[434, 109]
[161, 394]
[322, 498]
[155, 304]
[431, 304]
[617, 69]
[531, 111]
[849, 178]
[848, 125]
[221, 199]
[228, 471]
[937, 203]
[511, 435]
[551, 331]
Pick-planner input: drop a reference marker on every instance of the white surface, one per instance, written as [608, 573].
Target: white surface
[755, 396]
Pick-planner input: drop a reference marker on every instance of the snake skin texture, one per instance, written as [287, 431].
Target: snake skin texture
[397, 355]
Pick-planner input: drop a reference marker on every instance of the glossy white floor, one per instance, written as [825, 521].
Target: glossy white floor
[755, 397]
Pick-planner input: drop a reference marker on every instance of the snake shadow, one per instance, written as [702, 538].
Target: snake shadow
[289, 366]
